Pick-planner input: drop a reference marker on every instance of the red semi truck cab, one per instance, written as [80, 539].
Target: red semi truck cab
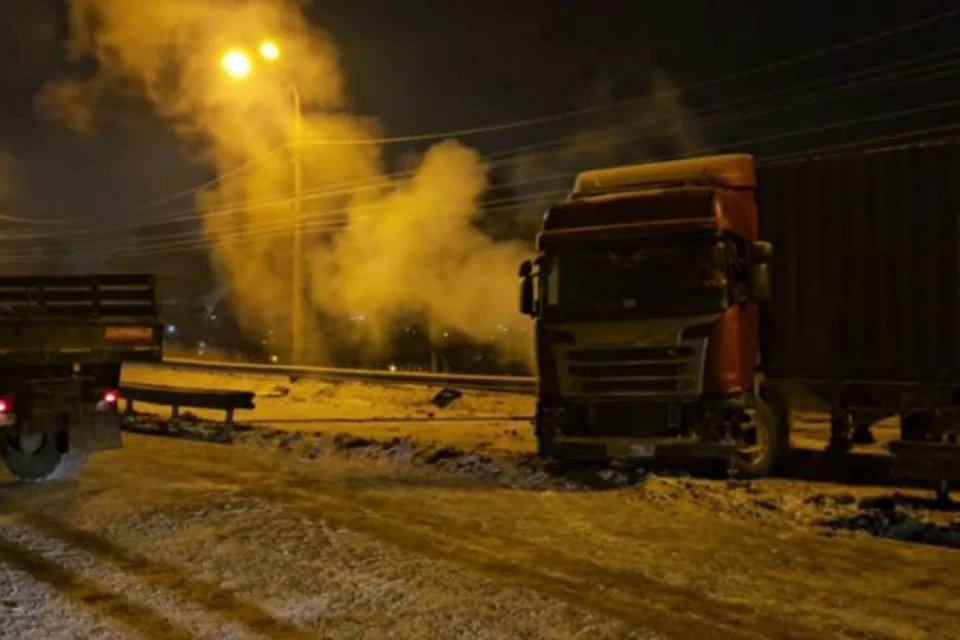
[646, 296]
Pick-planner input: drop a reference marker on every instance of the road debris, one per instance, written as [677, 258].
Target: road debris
[446, 397]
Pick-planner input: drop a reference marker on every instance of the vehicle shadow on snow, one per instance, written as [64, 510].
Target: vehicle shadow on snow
[224, 603]
[63, 497]
[851, 468]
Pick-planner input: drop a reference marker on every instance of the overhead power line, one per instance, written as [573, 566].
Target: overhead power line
[932, 135]
[341, 220]
[905, 71]
[788, 61]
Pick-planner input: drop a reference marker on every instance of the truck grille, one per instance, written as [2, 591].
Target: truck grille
[650, 370]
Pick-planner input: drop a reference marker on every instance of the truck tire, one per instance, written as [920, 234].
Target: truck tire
[757, 460]
[45, 463]
[771, 420]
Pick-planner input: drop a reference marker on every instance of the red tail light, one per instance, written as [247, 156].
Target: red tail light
[111, 396]
[8, 416]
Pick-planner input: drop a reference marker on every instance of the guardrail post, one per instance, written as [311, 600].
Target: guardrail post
[129, 410]
[229, 420]
[174, 412]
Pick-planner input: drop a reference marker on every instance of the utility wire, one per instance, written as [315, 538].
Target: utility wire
[569, 114]
[278, 228]
[716, 115]
[281, 230]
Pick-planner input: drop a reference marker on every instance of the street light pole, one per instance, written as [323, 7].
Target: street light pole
[296, 321]
[237, 64]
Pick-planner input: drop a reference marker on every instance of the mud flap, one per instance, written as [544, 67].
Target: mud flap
[95, 431]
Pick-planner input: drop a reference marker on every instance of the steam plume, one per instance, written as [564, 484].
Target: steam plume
[657, 126]
[393, 247]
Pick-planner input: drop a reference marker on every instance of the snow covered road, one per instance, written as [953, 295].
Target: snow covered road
[306, 531]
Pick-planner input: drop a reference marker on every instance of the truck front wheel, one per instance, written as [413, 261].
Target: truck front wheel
[765, 438]
[38, 458]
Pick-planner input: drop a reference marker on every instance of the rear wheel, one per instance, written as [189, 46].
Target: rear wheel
[38, 458]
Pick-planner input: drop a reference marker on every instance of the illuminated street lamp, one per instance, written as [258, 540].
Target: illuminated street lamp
[269, 50]
[238, 65]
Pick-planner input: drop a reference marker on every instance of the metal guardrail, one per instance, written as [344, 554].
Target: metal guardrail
[513, 384]
[177, 397]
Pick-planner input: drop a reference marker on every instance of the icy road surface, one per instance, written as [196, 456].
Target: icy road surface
[308, 532]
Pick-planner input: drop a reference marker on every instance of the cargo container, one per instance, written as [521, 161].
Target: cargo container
[867, 255]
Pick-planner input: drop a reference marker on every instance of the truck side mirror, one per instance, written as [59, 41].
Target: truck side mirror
[760, 281]
[527, 306]
[761, 252]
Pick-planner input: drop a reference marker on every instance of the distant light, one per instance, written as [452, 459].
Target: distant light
[4, 405]
[172, 329]
[393, 367]
[274, 359]
[111, 397]
[270, 51]
[237, 64]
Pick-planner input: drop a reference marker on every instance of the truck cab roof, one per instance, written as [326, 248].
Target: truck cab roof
[698, 195]
[731, 170]
[612, 216]
[649, 206]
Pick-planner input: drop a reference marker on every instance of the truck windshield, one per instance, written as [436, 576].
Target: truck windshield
[634, 281]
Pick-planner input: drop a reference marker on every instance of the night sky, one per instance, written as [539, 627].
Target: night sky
[430, 65]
